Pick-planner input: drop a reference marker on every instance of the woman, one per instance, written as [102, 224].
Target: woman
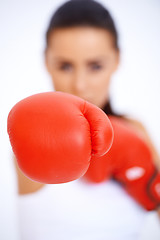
[82, 54]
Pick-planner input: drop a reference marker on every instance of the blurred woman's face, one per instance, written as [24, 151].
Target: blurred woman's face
[81, 61]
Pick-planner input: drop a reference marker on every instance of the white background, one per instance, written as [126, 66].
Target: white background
[134, 90]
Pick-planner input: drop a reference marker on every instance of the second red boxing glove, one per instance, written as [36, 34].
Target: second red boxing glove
[54, 135]
[130, 162]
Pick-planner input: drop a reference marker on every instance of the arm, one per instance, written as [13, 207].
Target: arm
[26, 185]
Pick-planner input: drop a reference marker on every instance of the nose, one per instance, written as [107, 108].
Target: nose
[79, 81]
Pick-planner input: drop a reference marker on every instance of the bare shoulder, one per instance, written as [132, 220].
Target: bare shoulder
[139, 127]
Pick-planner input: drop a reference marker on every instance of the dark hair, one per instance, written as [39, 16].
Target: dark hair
[83, 13]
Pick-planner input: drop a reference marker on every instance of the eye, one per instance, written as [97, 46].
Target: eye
[95, 66]
[65, 67]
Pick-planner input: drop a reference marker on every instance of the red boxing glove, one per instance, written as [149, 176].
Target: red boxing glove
[54, 135]
[130, 162]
